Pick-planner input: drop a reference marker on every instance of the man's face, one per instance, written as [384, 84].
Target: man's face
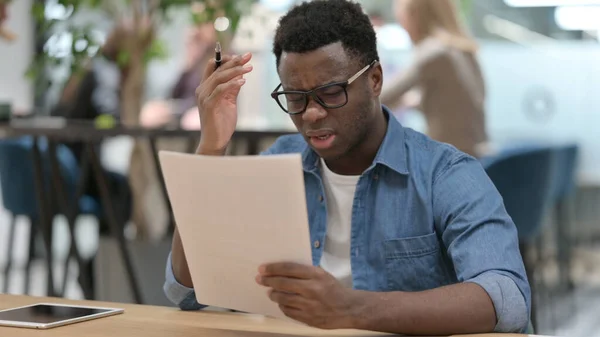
[332, 132]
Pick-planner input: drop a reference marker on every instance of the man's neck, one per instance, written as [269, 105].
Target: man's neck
[361, 157]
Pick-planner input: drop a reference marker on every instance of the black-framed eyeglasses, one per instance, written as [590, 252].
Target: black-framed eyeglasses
[330, 96]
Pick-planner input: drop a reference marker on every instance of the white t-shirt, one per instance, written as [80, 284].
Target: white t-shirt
[339, 192]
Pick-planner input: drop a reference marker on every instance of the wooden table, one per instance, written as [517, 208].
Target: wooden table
[152, 321]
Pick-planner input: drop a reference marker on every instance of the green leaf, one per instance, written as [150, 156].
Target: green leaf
[94, 3]
[123, 58]
[38, 10]
[32, 72]
[54, 61]
[466, 8]
[76, 68]
[157, 50]
[35, 68]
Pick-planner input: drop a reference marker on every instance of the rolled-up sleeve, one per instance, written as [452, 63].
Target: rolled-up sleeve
[481, 239]
[177, 293]
[509, 302]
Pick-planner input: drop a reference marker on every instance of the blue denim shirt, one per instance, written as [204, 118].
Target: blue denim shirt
[425, 215]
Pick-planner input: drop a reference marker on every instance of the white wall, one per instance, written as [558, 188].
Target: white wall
[15, 57]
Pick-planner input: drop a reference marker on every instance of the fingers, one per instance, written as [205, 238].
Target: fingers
[235, 61]
[288, 300]
[211, 65]
[232, 85]
[293, 313]
[227, 62]
[226, 80]
[284, 284]
[288, 269]
[226, 75]
[232, 71]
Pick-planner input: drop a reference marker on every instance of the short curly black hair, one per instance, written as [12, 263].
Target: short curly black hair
[315, 24]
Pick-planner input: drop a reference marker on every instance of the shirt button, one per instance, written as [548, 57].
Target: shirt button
[320, 198]
[376, 176]
[317, 244]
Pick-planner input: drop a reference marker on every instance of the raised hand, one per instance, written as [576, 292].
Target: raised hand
[217, 102]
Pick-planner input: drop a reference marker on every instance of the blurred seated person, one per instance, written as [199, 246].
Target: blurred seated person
[180, 109]
[88, 94]
[93, 92]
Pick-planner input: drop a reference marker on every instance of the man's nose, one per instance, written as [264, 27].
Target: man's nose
[314, 111]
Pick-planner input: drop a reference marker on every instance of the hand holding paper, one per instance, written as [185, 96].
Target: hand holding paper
[310, 295]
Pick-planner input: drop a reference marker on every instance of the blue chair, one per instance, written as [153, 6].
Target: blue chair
[524, 176]
[19, 190]
[566, 167]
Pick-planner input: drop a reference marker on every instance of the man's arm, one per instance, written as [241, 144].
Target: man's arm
[457, 309]
[481, 239]
[178, 283]
[312, 296]
[179, 262]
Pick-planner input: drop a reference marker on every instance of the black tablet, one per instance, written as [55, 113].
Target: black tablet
[50, 315]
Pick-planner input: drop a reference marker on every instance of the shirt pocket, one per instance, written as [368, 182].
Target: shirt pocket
[415, 263]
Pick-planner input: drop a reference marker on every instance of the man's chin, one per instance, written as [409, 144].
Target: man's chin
[332, 152]
[329, 154]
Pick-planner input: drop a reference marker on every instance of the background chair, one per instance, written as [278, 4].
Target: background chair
[19, 197]
[566, 165]
[524, 176]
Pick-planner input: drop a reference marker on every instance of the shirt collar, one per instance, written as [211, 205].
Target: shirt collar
[391, 153]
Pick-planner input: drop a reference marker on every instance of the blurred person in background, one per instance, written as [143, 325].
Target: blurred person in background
[444, 79]
[180, 109]
[93, 92]
[96, 91]
[5, 34]
[377, 19]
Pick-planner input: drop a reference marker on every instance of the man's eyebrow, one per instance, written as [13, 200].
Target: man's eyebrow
[317, 86]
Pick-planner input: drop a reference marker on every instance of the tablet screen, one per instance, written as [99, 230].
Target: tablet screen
[45, 314]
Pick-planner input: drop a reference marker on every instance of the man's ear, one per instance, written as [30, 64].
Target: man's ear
[376, 79]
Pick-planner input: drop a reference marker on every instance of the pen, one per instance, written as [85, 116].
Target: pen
[218, 55]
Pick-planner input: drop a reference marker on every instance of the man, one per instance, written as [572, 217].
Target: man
[409, 235]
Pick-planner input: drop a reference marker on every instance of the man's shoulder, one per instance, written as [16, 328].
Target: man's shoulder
[431, 154]
[293, 143]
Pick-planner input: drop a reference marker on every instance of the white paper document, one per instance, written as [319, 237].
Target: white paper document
[234, 214]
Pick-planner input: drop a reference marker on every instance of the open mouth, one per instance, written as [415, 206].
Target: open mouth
[322, 141]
